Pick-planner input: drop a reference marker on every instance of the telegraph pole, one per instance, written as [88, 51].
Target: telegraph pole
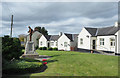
[11, 26]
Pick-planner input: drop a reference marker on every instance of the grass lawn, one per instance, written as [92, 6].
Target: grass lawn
[70, 63]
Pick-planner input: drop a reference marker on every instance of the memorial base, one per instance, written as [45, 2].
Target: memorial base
[30, 50]
[30, 56]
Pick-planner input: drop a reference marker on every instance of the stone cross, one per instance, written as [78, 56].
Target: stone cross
[30, 32]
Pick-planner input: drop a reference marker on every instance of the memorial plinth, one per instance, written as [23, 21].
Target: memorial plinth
[30, 50]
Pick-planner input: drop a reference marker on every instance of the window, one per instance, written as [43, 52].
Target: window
[65, 44]
[112, 42]
[101, 41]
[56, 43]
[52, 43]
[81, 41]
[41, 43]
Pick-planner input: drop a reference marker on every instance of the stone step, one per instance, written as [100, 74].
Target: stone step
[30, 56]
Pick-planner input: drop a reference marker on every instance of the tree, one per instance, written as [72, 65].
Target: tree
[37, 29]
[11, 48]
[41, 30]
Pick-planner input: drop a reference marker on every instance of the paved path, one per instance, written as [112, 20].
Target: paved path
[111, 54]
[43, 57]
[98, 52]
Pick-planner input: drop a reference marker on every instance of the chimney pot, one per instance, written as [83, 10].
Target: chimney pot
[116, 24]
[60, 33]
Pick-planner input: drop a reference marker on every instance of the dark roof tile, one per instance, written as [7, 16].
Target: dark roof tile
[54, 37]
[47, 37]
[105, 31]
[71, 36]
[92, 31]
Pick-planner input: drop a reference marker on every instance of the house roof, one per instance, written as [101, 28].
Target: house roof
[52, 37]
[47, 37]
[102, 31]
[107, 31]
[92, 31]
[71, 36]
[56, 37]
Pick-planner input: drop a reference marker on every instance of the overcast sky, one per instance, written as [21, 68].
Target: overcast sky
[68, 17]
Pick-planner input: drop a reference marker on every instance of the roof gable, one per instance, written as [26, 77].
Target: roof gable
[47, 37]
[92, 31]
[71, 36]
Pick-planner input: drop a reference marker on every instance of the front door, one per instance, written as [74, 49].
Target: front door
[48, 44]
[94, 44]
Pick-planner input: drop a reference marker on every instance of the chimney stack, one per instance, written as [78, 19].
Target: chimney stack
[60, 33]
[116, 24]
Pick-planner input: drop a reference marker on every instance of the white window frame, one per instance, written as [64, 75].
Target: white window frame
[81, 41]
[51, 43]
[65, 44]
[41, 43]
[102, 41]
[112, 42]
[56, 43]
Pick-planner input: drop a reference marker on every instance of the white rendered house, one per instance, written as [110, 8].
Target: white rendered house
[48, 41]
[105, 39]
[67, 42]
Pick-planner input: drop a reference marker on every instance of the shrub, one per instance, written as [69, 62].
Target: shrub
[11, 48]
[21, 66]
[22, 47]
[50, 48]
[55, 49]
[40, 48]
[36, 47]
[44, 48]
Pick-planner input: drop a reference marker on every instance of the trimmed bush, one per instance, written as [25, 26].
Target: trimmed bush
[21, 66]
[40, 48]
[50, 48]
[36, 47]
[44, 48]
[11, 48]
[55, 49]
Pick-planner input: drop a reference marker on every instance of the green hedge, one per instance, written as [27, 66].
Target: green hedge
[22, 66]
[55, 49]
[40, 48]
[44, 48]
[11, 48]
[50, 48]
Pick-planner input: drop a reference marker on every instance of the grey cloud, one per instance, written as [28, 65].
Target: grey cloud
[58, 11]
[26, 13]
